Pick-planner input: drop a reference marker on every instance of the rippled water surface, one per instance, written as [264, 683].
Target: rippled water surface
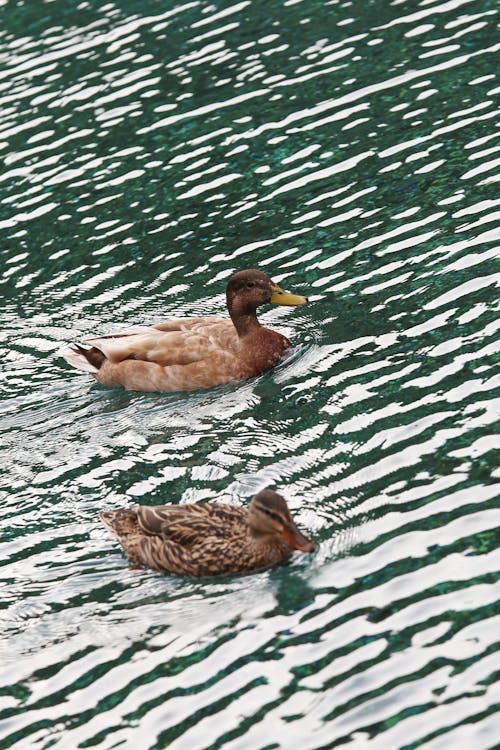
[350, 150]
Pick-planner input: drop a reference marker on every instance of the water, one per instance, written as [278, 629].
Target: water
[351, 151]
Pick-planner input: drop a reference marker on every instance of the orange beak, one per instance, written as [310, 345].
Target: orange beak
[296, 539]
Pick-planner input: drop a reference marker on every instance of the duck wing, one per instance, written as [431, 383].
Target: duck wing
[176, 342]
[191, 525]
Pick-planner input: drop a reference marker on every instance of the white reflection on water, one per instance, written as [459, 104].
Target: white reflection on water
[148, 153]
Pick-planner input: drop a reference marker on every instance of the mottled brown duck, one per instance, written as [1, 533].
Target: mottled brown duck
[192, 353]
[208, 539]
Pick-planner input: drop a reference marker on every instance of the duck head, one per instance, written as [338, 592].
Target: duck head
[247, 290]
[268, 514]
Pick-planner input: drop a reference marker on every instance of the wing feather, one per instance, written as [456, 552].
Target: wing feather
[175, 342]
[190, 525]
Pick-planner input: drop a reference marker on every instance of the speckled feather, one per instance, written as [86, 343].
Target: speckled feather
[198, 540]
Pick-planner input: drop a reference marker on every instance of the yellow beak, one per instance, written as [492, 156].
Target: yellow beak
[279, 297]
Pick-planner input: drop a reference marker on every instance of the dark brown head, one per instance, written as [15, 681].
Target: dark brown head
[247, 290]
[268, 514]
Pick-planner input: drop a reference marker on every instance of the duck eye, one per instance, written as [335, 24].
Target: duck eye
[250, 284]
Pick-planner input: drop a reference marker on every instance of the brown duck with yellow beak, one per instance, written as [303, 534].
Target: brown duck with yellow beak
[191, 353]
[208, 539]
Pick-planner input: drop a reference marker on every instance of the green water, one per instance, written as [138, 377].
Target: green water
[350, 150]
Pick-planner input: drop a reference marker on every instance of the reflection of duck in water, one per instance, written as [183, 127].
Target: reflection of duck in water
[209, 539]
[191, 353]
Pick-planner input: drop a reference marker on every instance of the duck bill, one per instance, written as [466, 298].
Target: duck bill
[280, 297]
[296, 539]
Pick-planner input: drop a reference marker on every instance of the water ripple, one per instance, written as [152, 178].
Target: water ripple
[350, 151]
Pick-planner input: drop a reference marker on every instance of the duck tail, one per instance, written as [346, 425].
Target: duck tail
[89, 360]
[121, 523]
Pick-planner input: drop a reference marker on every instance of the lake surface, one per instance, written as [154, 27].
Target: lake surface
[351, 151]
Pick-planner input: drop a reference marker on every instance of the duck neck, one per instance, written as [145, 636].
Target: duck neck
[246, 324]
[261, 541]
[259, 538]
[244, 319]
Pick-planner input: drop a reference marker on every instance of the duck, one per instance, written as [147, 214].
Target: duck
[208, 539]
[188, 354]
